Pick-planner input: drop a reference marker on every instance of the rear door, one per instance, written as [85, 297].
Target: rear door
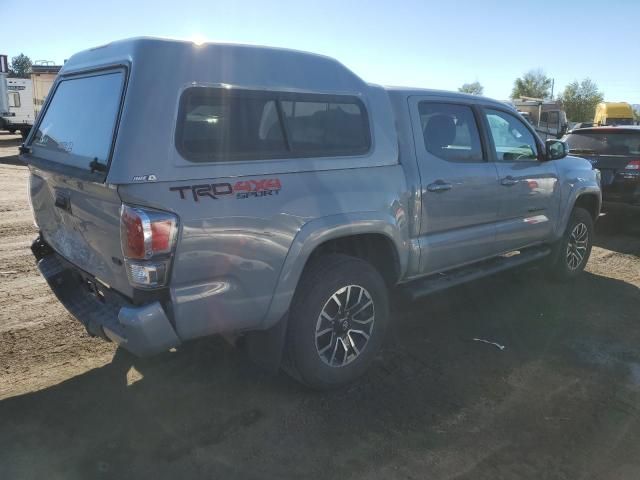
[70, 150]
[529, 192]
[459, 185]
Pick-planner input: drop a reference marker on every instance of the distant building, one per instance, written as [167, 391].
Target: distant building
[42, 77]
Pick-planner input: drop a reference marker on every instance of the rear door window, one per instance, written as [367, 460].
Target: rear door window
[216, 125]
[450, 132]
[78, 125]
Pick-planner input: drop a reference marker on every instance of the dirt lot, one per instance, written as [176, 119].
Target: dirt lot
[562, 400]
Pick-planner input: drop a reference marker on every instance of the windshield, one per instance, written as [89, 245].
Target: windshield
[77, 127]
[605, 143]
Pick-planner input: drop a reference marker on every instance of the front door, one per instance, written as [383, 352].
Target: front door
[459, 185]
[530, 195]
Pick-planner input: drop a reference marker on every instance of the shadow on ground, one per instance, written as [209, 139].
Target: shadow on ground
[9, 142]
[619, 230]
[436, 403]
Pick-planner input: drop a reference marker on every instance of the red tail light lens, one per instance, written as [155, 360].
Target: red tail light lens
[131, 233]
[633, 165]
[146, 233]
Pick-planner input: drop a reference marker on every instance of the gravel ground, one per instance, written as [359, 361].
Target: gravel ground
[560, 401]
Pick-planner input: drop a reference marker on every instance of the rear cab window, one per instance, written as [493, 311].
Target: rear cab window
[218, 125]
[77, 129]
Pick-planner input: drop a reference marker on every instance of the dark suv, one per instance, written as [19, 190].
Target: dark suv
[615, 151]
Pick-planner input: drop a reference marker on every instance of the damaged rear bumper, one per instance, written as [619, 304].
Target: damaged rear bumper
[143, 330]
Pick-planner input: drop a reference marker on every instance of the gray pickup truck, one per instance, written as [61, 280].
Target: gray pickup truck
[186, 190]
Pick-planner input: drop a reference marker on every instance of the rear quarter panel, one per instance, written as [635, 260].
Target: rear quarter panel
[235, 253]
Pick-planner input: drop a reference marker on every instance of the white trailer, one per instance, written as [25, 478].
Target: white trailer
[21, 113]
[24, 97]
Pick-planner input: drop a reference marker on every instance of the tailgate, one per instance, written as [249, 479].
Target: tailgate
[80, 220]
[609, 165]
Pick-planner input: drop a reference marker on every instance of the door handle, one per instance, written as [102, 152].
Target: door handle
[439, 186]
[509, 181]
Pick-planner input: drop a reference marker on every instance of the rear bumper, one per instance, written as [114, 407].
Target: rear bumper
[625, 188]
[143, 330]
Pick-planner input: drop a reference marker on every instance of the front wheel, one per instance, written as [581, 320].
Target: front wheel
[337, 321]
[572, 252]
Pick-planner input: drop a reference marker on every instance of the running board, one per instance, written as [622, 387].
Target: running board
[440, 281]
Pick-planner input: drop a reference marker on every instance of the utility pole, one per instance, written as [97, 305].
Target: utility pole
[553, 83]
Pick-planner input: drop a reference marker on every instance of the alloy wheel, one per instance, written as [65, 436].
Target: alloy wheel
[577, 246]
[344, 326]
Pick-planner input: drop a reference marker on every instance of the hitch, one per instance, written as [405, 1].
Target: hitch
[40, 248]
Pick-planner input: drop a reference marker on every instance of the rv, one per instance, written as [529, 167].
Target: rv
[20, 101]
[25, 97]
[547, 116]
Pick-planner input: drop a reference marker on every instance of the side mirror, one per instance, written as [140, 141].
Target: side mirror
[556, 149]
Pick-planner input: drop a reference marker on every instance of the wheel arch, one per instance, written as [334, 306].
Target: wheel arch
[587, 197]
[375, 237]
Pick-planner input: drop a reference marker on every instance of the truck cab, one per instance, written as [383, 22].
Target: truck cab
[613, 113]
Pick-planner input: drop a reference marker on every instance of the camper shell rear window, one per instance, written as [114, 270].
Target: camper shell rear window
[78, 126]
[218, 124]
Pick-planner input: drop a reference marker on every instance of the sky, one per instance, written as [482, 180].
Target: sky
[432, 44]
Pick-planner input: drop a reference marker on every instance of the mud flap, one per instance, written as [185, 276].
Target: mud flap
[265, 347]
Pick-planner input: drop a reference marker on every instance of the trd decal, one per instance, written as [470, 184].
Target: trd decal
[241, 189]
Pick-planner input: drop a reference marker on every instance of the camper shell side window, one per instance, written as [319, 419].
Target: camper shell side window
[217, 125]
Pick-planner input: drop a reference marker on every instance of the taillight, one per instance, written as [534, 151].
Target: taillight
[633, 165]
[147, 238]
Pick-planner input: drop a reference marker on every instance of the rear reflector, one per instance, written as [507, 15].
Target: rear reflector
[633, 165]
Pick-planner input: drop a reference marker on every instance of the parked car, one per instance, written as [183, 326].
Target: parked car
[615, 151]
[274, 194]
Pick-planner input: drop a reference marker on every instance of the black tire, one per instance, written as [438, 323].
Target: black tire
[571, 256]
[322, 279]
[12, 131]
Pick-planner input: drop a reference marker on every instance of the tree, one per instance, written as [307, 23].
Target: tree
[474, 88]
[534, 84]
[579, 100]
[21, 66]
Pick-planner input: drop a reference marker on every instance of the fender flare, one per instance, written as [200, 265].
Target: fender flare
[320, 230]
[575, 194]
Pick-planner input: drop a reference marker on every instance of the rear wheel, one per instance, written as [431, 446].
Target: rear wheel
[337, 321]
[572, 251]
